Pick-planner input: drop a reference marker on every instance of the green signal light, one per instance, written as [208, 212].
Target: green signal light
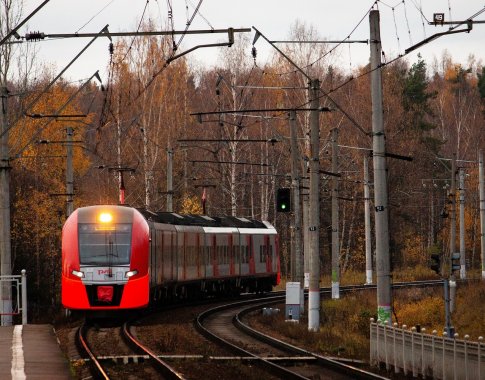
[283, 206]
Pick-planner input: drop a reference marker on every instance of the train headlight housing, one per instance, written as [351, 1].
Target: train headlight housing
[131, 273]
[77, 273]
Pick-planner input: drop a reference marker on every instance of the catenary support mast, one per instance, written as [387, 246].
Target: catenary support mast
[368, 241]
[481, 184]
[314, 212]
[384, 301]
[335, 219]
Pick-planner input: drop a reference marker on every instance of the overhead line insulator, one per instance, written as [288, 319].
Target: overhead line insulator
[34, 36]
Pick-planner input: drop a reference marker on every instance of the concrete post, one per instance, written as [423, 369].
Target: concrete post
[452, 196]
[306, 242]
[24, 296]
[69, 173]
[335, 219]
[462, 225]
[367, 224]
[295, 185]
[314, 211]
[169, 179]
[5, 247]
[481, 185]
[384, 302]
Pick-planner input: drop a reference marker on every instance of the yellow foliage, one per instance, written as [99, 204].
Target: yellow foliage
[427, 312]
[191, 205]
[50, 158]
[451, 72]
[34, 216]
[414, 250]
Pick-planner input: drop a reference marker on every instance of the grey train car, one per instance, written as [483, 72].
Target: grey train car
[199, 255]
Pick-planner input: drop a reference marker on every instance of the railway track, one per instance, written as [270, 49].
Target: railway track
[141, 354]
[222, 325]
[85, 350]
[281, 360]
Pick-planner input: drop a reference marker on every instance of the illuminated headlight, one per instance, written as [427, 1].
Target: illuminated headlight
[105, 217]
[131, 273]
[78, 274]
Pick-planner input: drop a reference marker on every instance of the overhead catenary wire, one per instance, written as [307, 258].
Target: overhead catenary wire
[331, 50]
[395, 28]
[407, 23]
[94, 16]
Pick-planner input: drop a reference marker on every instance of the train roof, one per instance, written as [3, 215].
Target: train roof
[202, 220]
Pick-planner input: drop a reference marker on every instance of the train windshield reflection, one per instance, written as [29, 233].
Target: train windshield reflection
[103, 246]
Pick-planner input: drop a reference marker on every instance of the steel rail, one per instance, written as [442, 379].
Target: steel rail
[323, 361]
[328, 363]
[97, 369]
[274, 368]
[262, 362]
[165, 369]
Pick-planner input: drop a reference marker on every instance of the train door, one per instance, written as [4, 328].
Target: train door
[244, 254]
[159, 256]
[252, 265]
[208, 264]
[185, 255]
[199, 255]
[236, 252]
[230, 249]
[180, 255]
[277, 258]
[223, 254]
[259, 253]
[191, 249]
[215, 263]
[267, 249]
[152, 254]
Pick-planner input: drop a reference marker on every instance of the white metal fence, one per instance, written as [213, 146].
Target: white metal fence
[426, 355]
[16, 286]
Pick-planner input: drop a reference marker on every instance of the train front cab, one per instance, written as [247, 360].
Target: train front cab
[104, 263]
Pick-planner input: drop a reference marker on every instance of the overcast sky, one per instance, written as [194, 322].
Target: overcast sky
[334, 20]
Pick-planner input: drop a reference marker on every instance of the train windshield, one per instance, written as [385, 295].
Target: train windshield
[104, 246]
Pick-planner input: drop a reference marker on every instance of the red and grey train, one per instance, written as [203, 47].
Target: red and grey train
[119, 257]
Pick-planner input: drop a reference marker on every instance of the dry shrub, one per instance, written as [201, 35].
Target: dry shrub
[417, 273]
[469, 316]
[427, 312]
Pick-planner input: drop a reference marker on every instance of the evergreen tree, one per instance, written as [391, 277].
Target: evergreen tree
[416, 98]
[481, 83]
